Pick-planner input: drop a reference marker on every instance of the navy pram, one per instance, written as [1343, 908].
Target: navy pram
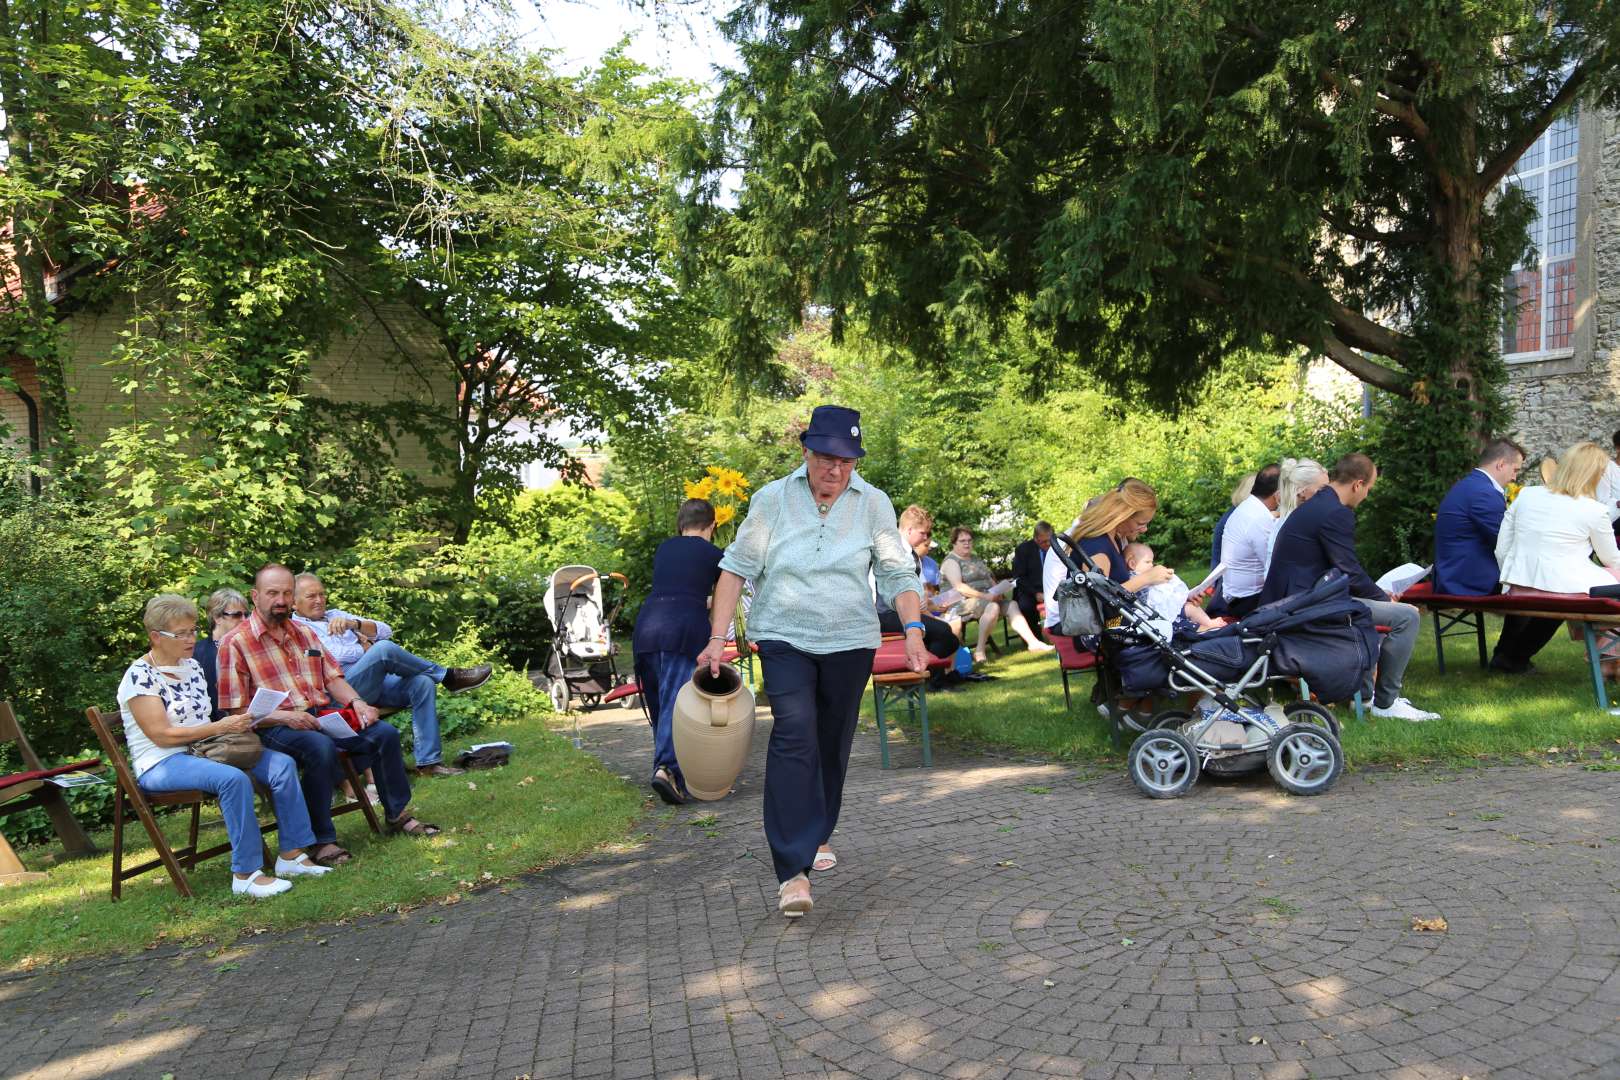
[1323, 636]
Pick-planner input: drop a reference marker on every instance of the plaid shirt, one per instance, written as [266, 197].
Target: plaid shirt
[252, 656]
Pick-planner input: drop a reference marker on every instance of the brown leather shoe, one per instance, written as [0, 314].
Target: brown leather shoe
[458, 679]
[439, 768]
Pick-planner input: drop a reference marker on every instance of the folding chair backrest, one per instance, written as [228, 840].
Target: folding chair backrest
[112, 745]
[11, 731]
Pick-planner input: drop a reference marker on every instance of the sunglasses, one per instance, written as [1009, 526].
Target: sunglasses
[233, 614]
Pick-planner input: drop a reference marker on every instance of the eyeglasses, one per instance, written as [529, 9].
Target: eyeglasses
[180, 635]
[832, 462]
[233, 614]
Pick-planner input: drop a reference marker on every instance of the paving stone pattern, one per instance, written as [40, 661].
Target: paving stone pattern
[988, 919]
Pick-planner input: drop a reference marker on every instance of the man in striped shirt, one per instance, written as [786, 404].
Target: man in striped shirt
[269, 650]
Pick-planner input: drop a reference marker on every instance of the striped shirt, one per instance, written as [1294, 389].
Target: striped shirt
[253, 655]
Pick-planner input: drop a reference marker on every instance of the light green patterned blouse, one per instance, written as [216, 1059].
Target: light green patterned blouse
[810, 571]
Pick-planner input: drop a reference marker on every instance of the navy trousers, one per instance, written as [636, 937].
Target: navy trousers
[376, 748]
[815, 702]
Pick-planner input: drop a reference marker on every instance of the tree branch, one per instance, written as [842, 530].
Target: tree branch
[1368, 371]
[1508, 156]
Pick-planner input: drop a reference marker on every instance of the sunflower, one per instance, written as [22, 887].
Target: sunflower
[700, 490]
[724, 514]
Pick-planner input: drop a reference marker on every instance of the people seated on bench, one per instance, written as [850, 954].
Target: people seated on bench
[916, 525]
[1466, 529]
[1549, 534]
[272, 651]
[1169, 600]
[1320, 536]
[382, 672]
[1116, 519]
[164, 703]
[1298, 480]
[226, 610]
[968, 575]
[1245, 542]
[1026, 572]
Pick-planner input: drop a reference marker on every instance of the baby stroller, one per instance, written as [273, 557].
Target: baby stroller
[581, 660]
[1323, 637]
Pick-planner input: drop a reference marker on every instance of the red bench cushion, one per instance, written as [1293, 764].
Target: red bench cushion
[891, 658]
[1070, 657]
[40, 774]
[1528, 600]
[622, 691]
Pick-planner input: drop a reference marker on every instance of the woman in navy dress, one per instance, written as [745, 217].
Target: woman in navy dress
[671, 629]
[1112, 522]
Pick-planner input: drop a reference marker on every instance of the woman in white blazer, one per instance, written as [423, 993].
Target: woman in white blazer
[1549, 534]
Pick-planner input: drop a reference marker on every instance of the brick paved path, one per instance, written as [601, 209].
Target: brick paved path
[988, 919]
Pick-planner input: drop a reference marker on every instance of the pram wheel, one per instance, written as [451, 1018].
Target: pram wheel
[558, 692]
[1309, 712]
[1163, 764]
[1305, 759]
[1170, 718]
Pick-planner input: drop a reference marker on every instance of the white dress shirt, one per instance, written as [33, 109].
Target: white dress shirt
[1608, 491]
[1547, 542]
[1243, 548]
[1052, 574]
[346, 648]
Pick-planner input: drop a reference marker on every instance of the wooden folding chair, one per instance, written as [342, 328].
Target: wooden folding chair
[30, 788]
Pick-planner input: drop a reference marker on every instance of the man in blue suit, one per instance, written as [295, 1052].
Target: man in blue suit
[1320, 535]
[1465, 531]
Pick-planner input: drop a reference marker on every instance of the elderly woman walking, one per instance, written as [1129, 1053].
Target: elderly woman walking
[808, 544]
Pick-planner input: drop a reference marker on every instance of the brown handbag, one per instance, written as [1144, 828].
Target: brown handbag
[239, 749]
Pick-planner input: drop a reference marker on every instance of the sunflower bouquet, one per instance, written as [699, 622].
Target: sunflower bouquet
[727, 489]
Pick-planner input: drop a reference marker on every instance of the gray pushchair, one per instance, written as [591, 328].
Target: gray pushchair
[1322, 638]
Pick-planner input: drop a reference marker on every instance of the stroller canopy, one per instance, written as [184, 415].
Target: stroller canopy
[574, 603]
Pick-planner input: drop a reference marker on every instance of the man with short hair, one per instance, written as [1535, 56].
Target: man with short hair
[1465, 529]
[272, 651]
[1320, 535]
[1027, 576]
[1245, 541]
[382, 672]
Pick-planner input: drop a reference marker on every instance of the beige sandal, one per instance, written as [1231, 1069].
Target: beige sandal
[793, 897]
[824, 861]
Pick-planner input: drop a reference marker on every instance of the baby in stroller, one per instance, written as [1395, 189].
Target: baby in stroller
[1170, 600]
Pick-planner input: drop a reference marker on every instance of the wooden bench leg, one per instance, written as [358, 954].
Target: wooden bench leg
[118, 843]
[1594, 659]
[68, 829]
[1479, 636]
[883, 734]
[922, 702]
[1068, 703]
[11, 867]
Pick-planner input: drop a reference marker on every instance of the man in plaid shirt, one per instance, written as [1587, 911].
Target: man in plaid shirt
[270, 650]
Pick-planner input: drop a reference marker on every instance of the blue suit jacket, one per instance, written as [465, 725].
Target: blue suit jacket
[1320, 535]
[1465, 531]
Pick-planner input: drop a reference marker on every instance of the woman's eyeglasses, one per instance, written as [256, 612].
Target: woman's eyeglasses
[233, 615]
[180, 635]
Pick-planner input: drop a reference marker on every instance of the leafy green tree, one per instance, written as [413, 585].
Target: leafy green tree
[1165, 182]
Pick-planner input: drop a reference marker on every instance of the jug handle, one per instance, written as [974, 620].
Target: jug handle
[716, 718]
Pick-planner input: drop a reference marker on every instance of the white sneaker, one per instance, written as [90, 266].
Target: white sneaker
[301, 865]
[249, 886]
[1402, 709]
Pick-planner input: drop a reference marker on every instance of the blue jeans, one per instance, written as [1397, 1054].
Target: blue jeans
[234, 789]
[815, 702]
[661, 676]
[376, 748]
[387, 675]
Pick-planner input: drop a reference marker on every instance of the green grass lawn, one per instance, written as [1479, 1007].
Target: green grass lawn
[550, 804]
[1483, 716]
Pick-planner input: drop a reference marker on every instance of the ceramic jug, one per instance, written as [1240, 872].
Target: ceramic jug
[713, 728]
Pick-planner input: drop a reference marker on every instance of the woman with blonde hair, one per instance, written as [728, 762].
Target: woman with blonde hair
[1299, 479]
[1549, 534]
[1113, 521]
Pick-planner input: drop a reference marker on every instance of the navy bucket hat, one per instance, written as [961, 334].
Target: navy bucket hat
[834, 431]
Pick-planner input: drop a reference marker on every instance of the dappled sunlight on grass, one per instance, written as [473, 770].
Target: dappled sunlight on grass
[551, 803]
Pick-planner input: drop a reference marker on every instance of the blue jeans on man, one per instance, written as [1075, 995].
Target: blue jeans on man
[376, 748]
[389, 676]
[234, 789]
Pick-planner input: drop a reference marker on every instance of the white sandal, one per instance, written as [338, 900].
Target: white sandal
[799, 903]
[824, 861]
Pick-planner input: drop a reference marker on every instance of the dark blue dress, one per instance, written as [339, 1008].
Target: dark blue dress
[671, 629]
[206, 653]
[674, 617]
[1104, 545]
